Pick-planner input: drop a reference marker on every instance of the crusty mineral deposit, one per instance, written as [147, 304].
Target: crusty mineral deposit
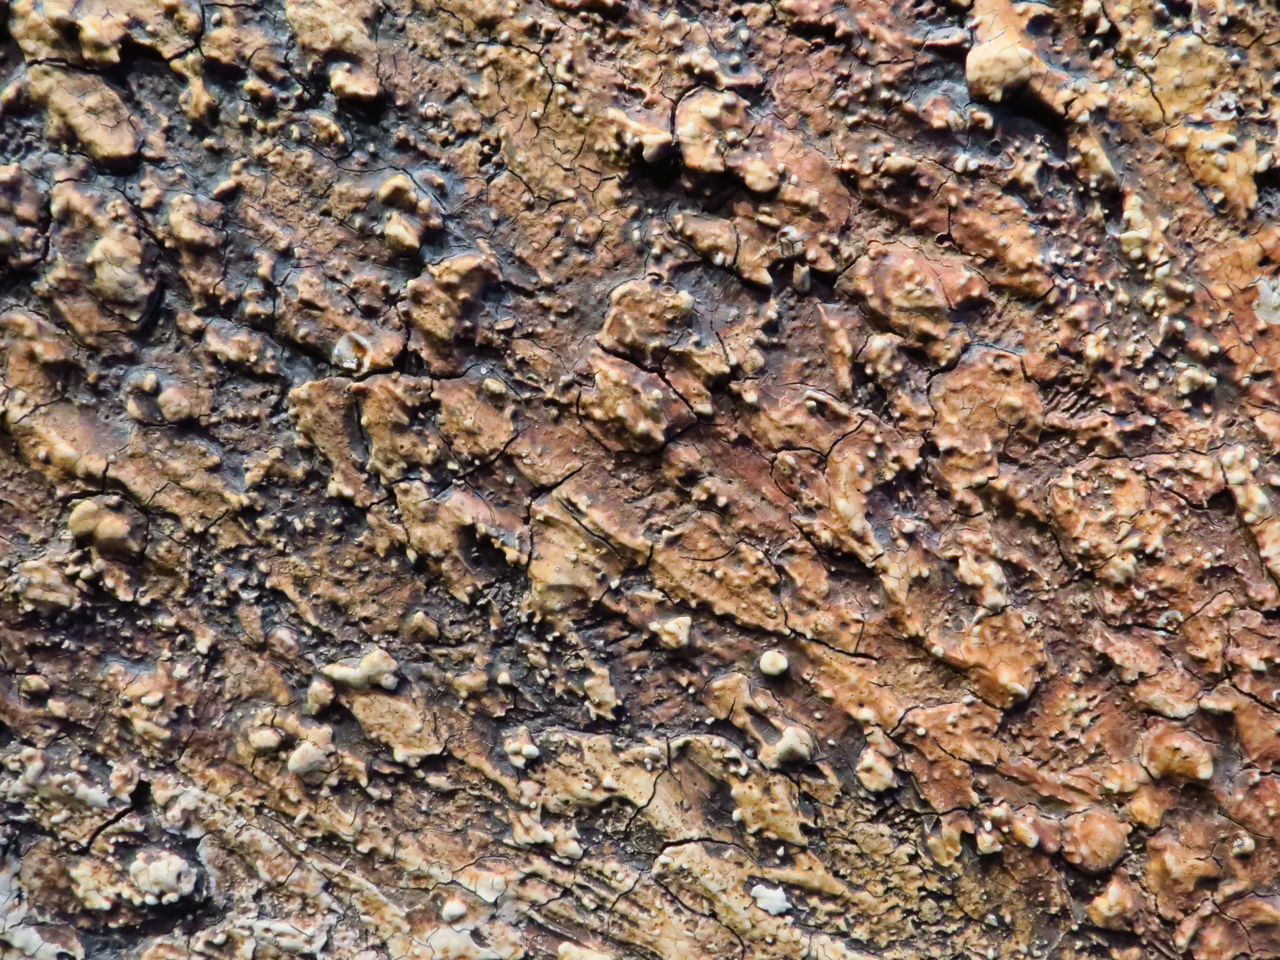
[611, 480]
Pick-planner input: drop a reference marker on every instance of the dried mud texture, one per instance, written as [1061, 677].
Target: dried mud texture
[597, 480]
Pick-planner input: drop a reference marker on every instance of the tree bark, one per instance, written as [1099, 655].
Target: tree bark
[596, 479]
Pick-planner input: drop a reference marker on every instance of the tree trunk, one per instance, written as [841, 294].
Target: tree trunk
[606, 480]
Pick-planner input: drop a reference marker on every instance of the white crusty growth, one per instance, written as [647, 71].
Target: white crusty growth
[375, 668]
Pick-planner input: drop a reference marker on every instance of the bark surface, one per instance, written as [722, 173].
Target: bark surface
[608, 480]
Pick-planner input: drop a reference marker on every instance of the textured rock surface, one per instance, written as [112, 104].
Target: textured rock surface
[597, 479]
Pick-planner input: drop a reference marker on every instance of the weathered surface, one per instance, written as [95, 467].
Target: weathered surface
[597, 479]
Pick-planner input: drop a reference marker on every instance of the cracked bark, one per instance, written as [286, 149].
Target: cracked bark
[604, 480]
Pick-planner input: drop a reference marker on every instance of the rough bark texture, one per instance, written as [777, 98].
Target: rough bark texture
[600, 479]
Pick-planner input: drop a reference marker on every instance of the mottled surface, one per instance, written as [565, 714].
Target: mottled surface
[597, 479]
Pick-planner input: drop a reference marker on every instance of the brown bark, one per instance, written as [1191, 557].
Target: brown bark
[608, 480]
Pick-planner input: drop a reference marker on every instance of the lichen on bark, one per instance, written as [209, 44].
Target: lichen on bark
[595, 479]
